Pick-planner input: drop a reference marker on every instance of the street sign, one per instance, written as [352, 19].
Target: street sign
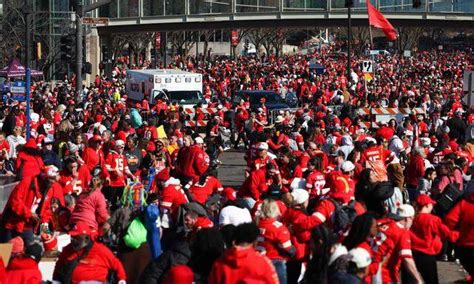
[18, 91]
[95, 21]
[367, 66]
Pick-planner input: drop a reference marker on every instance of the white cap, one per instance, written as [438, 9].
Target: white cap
[262, 146]
[279, 119]
[34, 117]
[360, 257]
[347, 166]
[371, 139]
[172, 181]
[48, 139]
[198, 140]
[260, 109]
[405, 211]
[119, 143]
[299, 196]
[409, 133]
[51, 171]
[339, 250]
[425, 141]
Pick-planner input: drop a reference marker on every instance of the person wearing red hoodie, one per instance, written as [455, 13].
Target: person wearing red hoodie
[24, 267]
[86, 260]
[19, 216]
[461, 217]
[29, 162]
[242, 263]
[192, 161]
[93, 155]
[427, 234]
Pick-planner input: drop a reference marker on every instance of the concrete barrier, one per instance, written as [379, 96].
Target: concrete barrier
[7, 184]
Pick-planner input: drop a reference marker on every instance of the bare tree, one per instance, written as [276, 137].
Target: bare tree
[409, 37]
[182, 41]
[242, 33]
[207, 35]
[260, 37]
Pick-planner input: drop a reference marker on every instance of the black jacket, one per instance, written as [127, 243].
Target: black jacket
[180, 253]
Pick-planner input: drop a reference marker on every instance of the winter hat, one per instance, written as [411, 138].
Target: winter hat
[35, 251]
[179, 274]
[18, 245]
[347, 166]
[424, 199]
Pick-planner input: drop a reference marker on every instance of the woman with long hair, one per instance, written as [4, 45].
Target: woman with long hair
[317, 270]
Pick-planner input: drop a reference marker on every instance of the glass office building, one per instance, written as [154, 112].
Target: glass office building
[153, 8]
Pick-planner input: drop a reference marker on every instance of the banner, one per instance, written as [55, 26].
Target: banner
[157, 40]
[234, 37]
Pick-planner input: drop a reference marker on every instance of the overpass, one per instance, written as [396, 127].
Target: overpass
[234, 14]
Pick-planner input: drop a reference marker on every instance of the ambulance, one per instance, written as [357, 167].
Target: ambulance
[169, 85]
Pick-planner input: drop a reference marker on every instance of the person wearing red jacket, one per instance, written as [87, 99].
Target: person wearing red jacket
[300, 225]
[242, 263]
[257, 184]
[24, 268]
[396, 229]
[86, 260]
[29, 162]
[461, 217]
[19, 216]
[172, 197]
[415, 171]
[427, 234]
[192, 161]
[93, 155]
[207, 185]
[274, 241]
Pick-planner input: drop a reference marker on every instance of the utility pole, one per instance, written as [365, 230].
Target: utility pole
[79, 15]
[349, 39]
[27, 12]
[81, 10]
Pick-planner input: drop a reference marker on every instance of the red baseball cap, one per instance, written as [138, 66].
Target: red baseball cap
[424, 199]
[229, 193]
[81, 229]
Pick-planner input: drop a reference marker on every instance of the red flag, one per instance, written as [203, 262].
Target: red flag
[377, 20]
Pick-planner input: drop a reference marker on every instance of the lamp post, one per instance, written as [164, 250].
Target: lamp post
[349, 4]
[27, 11]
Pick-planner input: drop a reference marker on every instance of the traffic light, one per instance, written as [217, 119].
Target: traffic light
[349, 3]
[416, 3]
[66, 48]
[105, 53]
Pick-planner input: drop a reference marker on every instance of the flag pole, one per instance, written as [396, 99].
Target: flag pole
[371, 37]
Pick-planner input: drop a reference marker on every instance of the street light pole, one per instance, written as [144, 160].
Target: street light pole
[28, 13]
[79, 14]
[349, 40]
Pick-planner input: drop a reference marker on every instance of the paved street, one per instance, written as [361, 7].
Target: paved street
[231, 173]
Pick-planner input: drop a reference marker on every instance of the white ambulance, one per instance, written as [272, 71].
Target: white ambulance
[170, 85]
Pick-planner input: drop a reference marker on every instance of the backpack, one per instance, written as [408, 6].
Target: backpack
[136, 234]
[451, 194]
[343, 216]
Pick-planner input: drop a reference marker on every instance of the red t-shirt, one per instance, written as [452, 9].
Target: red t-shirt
[201, 192]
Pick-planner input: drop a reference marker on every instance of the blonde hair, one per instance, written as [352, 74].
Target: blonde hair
[270, 209]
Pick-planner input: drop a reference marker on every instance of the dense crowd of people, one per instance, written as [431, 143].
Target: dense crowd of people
[324, 199]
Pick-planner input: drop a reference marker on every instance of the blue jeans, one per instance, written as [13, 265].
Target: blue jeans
[280, 267]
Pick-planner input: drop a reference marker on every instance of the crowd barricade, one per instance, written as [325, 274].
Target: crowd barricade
[7, 185]
[373, 116]
[209, 114]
